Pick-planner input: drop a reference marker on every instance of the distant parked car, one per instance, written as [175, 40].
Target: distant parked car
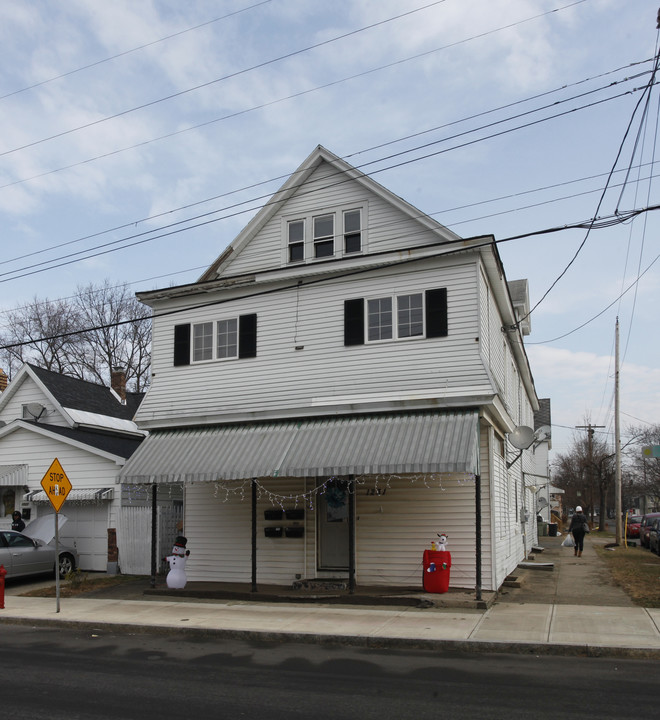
[32, 552]
[632, 526]
[644, 528]
[654, 535]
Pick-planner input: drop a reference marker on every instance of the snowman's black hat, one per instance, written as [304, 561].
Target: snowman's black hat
[181, 541]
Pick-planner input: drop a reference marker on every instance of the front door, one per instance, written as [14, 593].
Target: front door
[333, 526]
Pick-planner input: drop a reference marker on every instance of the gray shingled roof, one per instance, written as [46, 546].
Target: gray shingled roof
[79, 394]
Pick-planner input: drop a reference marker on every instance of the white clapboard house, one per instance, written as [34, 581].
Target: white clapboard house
[338, 388]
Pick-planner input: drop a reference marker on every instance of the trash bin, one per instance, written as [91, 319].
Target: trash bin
[552, 529]
[542, 529]
[435, 576]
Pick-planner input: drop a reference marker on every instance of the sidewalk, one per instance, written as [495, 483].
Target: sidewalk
[571, 609]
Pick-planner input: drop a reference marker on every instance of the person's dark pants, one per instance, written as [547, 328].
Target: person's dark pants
[578, 536]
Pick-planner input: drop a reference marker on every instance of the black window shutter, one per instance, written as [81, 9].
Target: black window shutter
[182, 344]
[354, 322]
[436, 313]
[247, 336]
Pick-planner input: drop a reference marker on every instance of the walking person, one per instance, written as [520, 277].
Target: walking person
[578, 528]
[17, 521]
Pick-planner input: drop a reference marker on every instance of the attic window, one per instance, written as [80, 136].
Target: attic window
[331, 233]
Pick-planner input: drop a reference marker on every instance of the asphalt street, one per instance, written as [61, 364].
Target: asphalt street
[60, 673]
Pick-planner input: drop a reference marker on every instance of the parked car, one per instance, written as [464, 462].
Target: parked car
[654, 536]
[32, 552]
[632, 526]
[645, 527]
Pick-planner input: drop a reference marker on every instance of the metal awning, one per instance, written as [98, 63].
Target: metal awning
[358, 445]
[76, 494]
[13, 474]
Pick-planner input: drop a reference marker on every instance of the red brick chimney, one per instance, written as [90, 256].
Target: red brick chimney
[4, 380]
[118, 382]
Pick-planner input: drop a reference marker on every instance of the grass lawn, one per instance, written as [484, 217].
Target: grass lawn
[636, 570]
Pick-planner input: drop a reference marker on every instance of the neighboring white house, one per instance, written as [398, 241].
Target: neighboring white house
[89, 428]
[337, 389]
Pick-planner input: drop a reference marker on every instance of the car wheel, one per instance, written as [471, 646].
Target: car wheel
[67, 564]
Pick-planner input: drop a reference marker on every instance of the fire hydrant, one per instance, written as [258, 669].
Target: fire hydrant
[3, 572]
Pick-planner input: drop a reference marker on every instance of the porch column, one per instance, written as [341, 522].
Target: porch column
[351, 534]
[154, 532]
[254, 534]
[477, 536]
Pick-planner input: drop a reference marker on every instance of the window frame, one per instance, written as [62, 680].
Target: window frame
[214, 340]
[395, 324]
[306, 251]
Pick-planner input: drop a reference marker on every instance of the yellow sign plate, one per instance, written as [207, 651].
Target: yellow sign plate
[56, 485]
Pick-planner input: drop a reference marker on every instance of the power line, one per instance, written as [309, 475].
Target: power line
[229, 76]
[325, 86]
[132, 50]
[17, 273]
[459, 242]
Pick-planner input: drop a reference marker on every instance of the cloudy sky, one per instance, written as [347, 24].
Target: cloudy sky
[137, 139]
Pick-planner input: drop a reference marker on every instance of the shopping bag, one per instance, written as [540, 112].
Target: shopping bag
[568, 541]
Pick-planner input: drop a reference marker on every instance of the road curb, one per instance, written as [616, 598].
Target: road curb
[369, 642]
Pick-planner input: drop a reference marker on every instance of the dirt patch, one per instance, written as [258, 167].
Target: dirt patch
[81, 585]
[636, 571]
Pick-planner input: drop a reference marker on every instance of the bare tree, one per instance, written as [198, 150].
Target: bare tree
[645, 471]
[99, 329]
[586, 474]
[45, 332]
[118, 334]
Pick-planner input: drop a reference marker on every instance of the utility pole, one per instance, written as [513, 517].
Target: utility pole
[591, 429]
[617, 441]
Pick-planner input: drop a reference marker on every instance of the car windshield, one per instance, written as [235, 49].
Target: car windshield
[634, 519]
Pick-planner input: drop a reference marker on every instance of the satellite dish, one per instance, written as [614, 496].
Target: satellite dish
[542, 433]
[522, 437]
[541, 502]
[35, 409]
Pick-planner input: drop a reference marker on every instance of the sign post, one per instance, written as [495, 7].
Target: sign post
[56, 486]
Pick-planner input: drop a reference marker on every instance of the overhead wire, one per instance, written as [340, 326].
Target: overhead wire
[89, 252]
[215, 81]
[302, 93]
[131, 50]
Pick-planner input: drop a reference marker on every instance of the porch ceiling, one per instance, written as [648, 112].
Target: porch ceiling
[358, 445]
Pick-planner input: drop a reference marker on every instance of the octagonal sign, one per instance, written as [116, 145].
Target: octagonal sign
[56, 485]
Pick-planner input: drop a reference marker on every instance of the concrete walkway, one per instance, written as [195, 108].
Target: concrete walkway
[572, 609]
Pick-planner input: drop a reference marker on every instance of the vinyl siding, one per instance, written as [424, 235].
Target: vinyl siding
[283, 380]
[29, 392]
[384, 226]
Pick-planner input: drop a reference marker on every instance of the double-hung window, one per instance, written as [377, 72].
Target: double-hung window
[352, 231]
[384, 324]
[324, 235]
[215, 340]
[396, 317]
[330, 233]
[296, 240]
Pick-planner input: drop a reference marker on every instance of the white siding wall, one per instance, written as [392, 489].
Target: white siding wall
[386, 227]
[392, 532]
[29, 392]
[84, 470]
[282, 379]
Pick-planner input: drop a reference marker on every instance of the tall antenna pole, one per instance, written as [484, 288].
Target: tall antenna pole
[617, 440]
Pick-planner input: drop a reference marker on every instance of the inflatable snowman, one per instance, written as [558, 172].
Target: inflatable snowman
[176, 577]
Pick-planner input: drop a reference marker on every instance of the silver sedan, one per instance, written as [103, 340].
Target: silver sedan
[22, 555]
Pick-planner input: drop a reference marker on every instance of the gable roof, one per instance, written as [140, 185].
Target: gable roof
[83, 395]
[108, 444]
[298, 179]
[79, 402]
